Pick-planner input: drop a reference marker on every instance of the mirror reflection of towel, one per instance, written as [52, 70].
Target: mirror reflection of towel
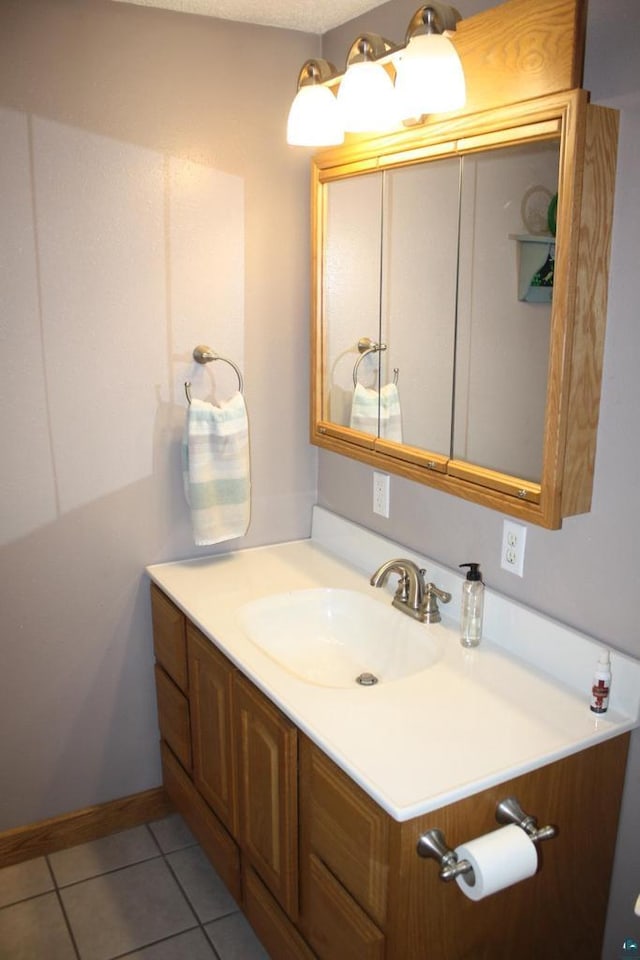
[368, 404]
[215, 455]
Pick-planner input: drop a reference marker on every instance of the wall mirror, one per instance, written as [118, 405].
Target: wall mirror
[460, 275]
[426, 259]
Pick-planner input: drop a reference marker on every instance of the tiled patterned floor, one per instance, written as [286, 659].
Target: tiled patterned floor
[147, 893]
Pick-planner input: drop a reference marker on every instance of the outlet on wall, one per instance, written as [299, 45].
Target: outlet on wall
[381, 483]
[514, 537]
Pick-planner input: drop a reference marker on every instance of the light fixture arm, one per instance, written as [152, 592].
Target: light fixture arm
[369, 46]
[433, 18]
[316, 71]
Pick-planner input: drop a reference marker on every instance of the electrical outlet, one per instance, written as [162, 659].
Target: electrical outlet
[381, 483]
[514, 537]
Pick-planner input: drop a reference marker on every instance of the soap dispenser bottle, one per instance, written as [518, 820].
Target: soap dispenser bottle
[472, 606]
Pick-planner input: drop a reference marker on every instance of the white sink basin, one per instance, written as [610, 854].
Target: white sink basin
[330, 637]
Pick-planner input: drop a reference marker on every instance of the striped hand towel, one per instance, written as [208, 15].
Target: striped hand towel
[215, 457]
[369, 405]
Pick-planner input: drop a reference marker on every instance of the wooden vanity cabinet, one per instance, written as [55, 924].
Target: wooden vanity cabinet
[322, 871]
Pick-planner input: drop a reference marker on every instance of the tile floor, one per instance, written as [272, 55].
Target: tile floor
[147, 893]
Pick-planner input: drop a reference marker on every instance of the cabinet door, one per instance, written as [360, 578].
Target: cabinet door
[267, 780]
[210, 682]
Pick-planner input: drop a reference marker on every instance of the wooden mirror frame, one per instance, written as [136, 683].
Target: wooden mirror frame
[529, 52]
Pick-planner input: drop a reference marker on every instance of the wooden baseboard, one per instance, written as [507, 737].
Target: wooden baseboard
[38, 839]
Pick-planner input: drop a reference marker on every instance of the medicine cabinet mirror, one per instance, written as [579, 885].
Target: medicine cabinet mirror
[422, 258]
[460, 279]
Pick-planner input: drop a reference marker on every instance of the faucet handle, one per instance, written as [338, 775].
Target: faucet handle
[402, 589]
[404, 585]
[430, 607]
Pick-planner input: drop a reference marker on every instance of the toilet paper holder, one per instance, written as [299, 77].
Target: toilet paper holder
[434, 845]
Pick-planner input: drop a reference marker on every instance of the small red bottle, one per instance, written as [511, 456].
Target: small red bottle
[601, 684]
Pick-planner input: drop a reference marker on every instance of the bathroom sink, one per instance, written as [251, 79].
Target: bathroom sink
[333, 637]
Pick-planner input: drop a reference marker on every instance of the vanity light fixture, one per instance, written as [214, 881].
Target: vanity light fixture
[428, 79]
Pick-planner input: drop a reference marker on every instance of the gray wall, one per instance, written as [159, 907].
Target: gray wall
[586, 574]
[136, 146]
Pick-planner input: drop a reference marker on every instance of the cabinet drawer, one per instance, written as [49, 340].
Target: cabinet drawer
[345, 829]
[173, 717]
[219, 846]
[274, 929]
[169, 637]
[334, 924]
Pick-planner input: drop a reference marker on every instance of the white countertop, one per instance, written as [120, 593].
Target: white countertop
[474, 719]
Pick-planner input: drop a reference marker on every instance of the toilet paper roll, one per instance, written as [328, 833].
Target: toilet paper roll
[499, 859]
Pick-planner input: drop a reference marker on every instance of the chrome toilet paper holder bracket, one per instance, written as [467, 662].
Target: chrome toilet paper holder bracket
[510, 811]
[433, 844]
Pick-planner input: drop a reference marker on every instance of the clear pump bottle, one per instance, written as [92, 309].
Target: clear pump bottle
[472, 606]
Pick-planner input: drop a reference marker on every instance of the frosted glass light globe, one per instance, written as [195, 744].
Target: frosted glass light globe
[314, 120]
[366, 98]
[429, 77]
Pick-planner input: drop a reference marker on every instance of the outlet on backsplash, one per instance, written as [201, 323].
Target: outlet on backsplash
[381, 483]
[514, 536]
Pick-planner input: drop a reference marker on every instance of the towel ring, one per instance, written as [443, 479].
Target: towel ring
[365, 347]
[204, 354]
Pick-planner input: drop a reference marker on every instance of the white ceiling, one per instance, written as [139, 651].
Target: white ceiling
[310, 16]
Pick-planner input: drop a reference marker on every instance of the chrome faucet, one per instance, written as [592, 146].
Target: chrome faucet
[412, 596]
[409, 595]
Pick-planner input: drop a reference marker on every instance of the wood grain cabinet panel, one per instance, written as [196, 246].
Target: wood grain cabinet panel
[169, 641]
[559, 913]
[345, 828]
[173, 717]
[217, 843]
[268, 782]
[211, 678]
[337, 926]
[276, 932]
